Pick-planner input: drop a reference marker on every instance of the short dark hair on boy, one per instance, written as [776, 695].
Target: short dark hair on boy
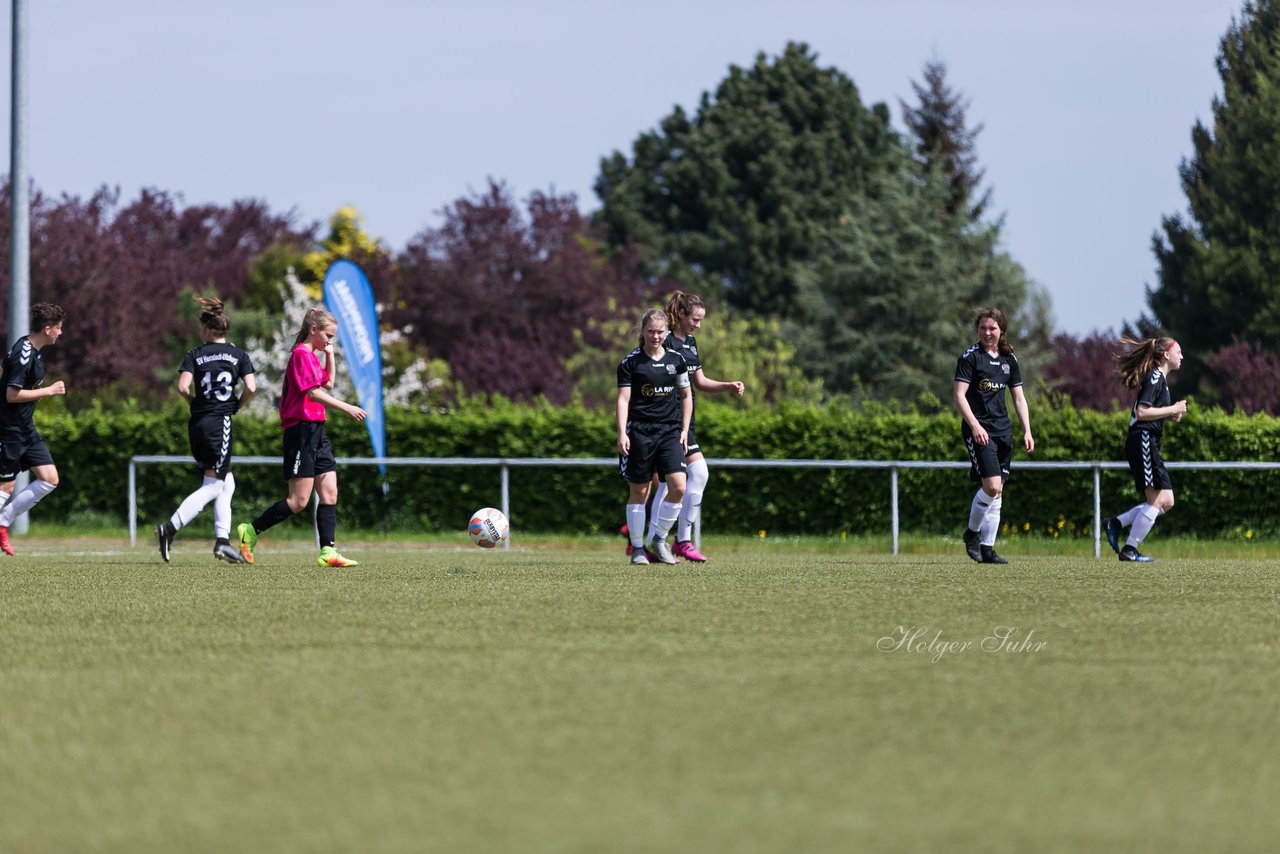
[46, 314]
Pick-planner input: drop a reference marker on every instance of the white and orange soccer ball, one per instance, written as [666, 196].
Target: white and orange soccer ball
[488, 528]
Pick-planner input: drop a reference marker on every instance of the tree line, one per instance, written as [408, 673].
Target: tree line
[841, 257]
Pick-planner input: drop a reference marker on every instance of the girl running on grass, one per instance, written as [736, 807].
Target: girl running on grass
[1146, 366]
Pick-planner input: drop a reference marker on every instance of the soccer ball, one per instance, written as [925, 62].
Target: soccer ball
[488, 528]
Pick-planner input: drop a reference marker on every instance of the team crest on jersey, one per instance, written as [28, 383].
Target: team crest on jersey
[671, 369]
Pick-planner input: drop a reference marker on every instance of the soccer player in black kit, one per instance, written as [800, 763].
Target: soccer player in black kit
[1146, 366]
[684, 315]
[207, 379]
[21, 446]
[655, 406]
[983, 372]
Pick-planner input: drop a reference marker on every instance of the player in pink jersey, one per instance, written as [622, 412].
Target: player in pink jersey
[309, 463]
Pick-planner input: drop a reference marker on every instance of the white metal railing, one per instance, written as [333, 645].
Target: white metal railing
[505, 464]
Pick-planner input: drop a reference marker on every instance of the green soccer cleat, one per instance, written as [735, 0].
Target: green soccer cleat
[329, 556]
[248, 539]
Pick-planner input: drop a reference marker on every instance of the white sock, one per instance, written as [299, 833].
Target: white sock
[195, 502]
[1126, 518]
[1142, 525]
[991, 523]
[659, 493]
[222, 508]
[691, 508]
[665, 515]
[635, 525]
[978, 509]
[25, 500]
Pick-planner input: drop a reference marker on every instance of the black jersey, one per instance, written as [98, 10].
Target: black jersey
[1154, 392]
[654, 384]
[988, 376]
[23, 369]
[215, 369]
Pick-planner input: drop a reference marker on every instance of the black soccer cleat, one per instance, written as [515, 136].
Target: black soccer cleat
[1111, 527]
[971, 545]
[164, 537]
[989, 555]
[1130, 554]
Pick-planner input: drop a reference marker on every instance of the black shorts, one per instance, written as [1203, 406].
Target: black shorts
[21, 455]
[654, 448]
[1142, 450]
[989, 460]
[307, 452]
[210, 439]
[692, 445]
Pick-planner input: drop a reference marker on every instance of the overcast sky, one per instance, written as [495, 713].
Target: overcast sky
[399, 107]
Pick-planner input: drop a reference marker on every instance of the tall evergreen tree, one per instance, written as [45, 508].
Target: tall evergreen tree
[944, 141]
[1219, 266]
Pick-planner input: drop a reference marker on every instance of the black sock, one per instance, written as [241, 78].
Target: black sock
[272, 516]
[327, 524]
[221, 541]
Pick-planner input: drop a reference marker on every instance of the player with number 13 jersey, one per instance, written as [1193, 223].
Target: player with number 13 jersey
[208, 379]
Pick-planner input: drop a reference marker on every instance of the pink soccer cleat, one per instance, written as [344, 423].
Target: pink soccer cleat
[688, 551]
[4, 541]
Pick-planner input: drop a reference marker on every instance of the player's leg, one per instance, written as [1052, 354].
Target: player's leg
[222, 548]
[990, 527]
[1152, 480]
[209, 490]
[671, 467]
[637, 469]
[44, 480]
[696, 476]
[6, 496]
[326, 486]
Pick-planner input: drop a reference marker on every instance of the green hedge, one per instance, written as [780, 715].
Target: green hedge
[92, 449]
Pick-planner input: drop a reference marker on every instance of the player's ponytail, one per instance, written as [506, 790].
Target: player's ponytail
[212, 317]
[314, 317]
[1136, 363]
[681, 305]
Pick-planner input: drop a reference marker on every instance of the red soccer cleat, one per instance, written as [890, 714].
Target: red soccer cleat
[4, 541]
[688, 551]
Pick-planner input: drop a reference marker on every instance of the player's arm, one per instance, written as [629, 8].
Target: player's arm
[250, 387]
[624, 409]
[17, 394]
[1147, 412]
[330, 365]
[686, 414]
[184, 384]
[704, 383]
[1024, 417]
[960, 396]
[319, 395]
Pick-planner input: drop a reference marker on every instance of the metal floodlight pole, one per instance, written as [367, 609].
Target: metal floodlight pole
[19, 201]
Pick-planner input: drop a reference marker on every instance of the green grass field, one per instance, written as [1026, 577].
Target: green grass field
[554, 698]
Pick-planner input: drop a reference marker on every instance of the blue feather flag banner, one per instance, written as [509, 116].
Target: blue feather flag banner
[349, 298]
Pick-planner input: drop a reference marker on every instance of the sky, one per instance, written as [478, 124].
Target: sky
[401, 107]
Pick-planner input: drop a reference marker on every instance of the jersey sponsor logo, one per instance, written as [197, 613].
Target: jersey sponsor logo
[657, 391]
[985, 384]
